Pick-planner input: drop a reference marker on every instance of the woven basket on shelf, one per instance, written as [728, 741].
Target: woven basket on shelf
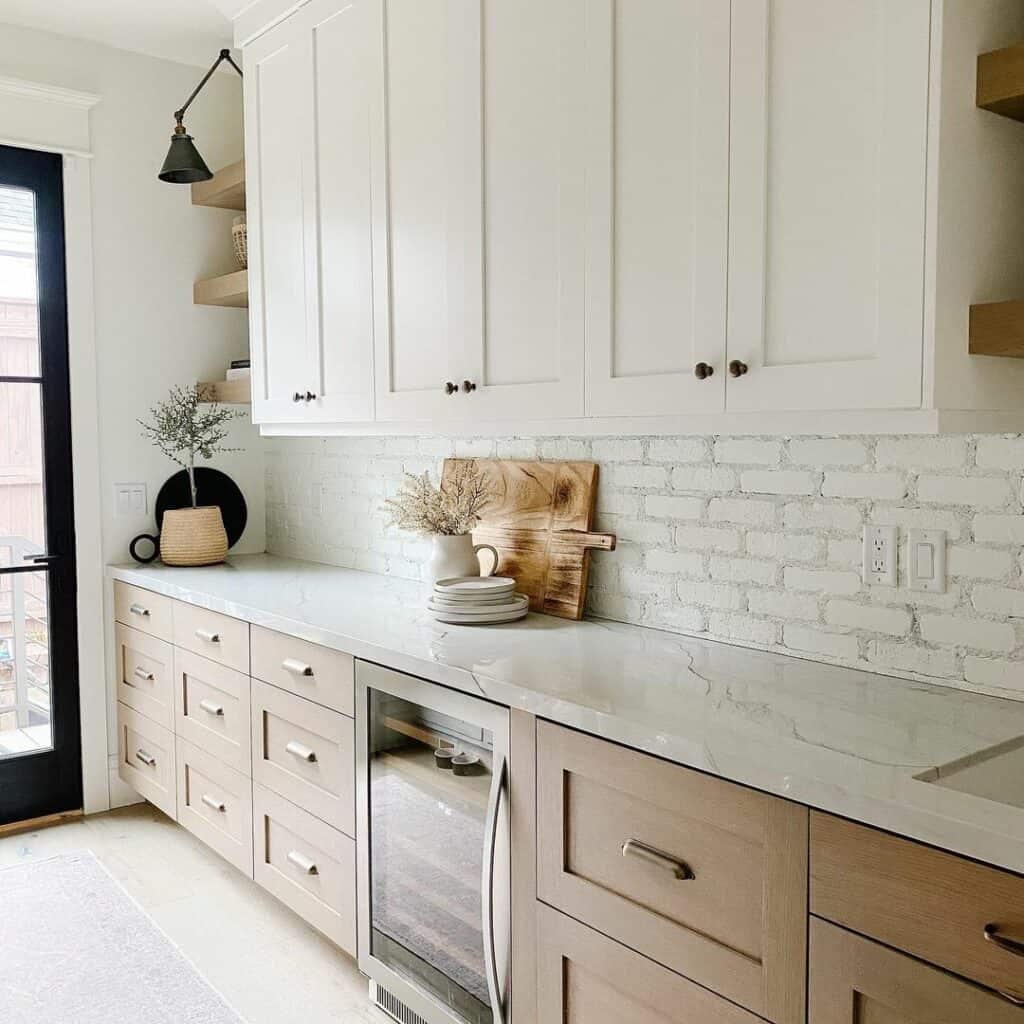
[239, 236]
[193, 536]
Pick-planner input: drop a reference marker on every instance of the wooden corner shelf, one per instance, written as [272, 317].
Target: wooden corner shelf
[225, 190]
[997, 329]
[227, 392]
[1001, 81]
[226, 290]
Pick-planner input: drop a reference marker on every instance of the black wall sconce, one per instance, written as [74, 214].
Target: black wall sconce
[183, 164]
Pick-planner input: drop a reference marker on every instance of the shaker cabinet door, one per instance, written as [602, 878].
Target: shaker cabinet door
[657, 206]
[827, 203]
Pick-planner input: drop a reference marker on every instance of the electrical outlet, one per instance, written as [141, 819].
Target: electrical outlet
[926, 555]
[880, 555]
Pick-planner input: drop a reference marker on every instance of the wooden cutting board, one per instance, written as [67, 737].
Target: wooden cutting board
[539, 517]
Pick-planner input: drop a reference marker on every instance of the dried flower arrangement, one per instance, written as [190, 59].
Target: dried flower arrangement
[451, 510]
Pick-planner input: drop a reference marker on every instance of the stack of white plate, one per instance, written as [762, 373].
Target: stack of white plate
[477, 600]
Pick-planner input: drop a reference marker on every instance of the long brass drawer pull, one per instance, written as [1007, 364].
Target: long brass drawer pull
[141, 673]
[679, 868]
[1010, 945]
[138, 609]
[301, 751]
[212, 709]
[147, 759]
[208, 635]
[302, 862]
[212, 801]
[297, 668]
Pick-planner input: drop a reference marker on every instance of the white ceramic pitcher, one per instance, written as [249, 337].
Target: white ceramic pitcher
[456, 556]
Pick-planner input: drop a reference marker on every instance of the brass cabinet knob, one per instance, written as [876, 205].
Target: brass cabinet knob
[703, 370]
[309, 396]
[450, 387]
[468, 385]
[297, 397]
[737, 369]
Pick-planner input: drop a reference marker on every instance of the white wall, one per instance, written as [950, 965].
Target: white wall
[149, 245]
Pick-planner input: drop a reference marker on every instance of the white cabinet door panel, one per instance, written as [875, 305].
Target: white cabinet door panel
[827, 202]
[657, 205]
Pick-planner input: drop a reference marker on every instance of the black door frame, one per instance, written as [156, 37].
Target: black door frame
[50, 781]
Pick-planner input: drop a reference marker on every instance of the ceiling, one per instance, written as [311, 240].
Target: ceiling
[190, 31]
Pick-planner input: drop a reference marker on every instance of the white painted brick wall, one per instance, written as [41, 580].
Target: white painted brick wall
[754, 540]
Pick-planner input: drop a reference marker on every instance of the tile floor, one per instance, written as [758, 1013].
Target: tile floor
[269, 965]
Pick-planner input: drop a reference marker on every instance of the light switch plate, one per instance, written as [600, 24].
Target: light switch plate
[926, 560]
[130, 500]
[880, 555]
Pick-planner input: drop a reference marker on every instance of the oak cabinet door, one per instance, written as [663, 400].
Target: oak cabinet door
[827, 203]
[657, 205]
[856, 981]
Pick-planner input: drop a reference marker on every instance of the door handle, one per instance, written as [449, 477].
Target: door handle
[208, 635]
[138, 609]
[487, 907]
[679, 868]
[212, 801]
[302, 862]
[297, 668]
[301, 751]
[147, 759]
[41, 559]
[141, 673]
[212, 709]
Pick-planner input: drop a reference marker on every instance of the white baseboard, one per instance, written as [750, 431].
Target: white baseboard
[121, 794]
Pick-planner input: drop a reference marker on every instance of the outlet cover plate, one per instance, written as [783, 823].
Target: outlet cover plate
[880, 555]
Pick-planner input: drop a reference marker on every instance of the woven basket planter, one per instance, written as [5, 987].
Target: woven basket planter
[193, 536]
[240, 237]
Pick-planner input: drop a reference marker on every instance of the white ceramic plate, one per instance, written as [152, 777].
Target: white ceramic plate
[475, 585]
[482, 601]
[518, 603]
[461, 620]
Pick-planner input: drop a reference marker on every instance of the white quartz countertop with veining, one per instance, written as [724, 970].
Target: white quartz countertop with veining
[841, 740]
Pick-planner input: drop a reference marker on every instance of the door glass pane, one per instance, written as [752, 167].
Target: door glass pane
[24, 664]
[19, 320]
[426, 852]
[22, 519]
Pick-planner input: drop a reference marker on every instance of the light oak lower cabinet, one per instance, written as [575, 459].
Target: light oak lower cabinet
[586, 978]
[856, 981]
[145, 758]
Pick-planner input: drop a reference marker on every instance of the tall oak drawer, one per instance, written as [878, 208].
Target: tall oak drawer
[307, 865]
[213, 635]
[306, 753]
[145, 758]
[309, 670]
[585, 978]
[145, 667]
[215, 804]
[212, 709]
[939, 907]
[706, 877]
[144, 610]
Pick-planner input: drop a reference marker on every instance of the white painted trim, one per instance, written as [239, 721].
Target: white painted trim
[121, 794]
[257, 17]
[86, 468]
[42, 147]
[47, 93]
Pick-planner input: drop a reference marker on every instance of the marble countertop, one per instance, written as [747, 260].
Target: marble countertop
[841, 740]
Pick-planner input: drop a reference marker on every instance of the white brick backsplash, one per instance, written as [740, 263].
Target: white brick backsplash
[748, 452]
[894, 621]
[754, 540]
[783, 481]
[829, 451]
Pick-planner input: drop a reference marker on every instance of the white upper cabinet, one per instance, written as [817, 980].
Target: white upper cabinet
[309, 185]
[657, 206]
[829, 138]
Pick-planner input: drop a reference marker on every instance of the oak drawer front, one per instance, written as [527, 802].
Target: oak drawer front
[145, 667]
[737, 926]
[215, 804]
[309, 670]
[145, 758]
[856, 981]
[212, 709]
[306, 753]
[143, 610]
[307, 865]
[932, 904]
[217, 637]
[586, 978]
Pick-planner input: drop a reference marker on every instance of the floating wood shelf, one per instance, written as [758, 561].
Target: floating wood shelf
[227, 392]
[1001, 81]
[226, 290]
[997, 329]
[225, 190]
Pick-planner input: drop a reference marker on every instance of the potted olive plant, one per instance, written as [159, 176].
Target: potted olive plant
[183, 427]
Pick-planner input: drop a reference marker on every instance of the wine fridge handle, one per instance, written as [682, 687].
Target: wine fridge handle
[490, 851]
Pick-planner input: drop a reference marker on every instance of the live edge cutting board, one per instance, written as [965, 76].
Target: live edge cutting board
[539, 517]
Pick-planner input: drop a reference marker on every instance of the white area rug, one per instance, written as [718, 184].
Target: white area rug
[76, 949]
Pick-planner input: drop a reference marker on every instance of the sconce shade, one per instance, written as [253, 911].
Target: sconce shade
[183, 164]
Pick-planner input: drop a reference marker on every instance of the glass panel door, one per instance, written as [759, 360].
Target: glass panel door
[40, 770]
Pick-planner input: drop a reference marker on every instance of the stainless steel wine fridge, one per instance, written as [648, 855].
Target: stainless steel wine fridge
[433, 849]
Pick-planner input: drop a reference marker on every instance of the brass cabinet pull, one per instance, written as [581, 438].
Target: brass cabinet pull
[703, 370]
[468, 386]
[1010, 945]
[141, 673]
[212, 801]
[211, 708]
[450, 387]
[302, 862]
[737, 368]
[679, 868]
[301, 751]
[297, 668]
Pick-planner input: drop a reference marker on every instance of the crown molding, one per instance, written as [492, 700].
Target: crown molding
[47, 93]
